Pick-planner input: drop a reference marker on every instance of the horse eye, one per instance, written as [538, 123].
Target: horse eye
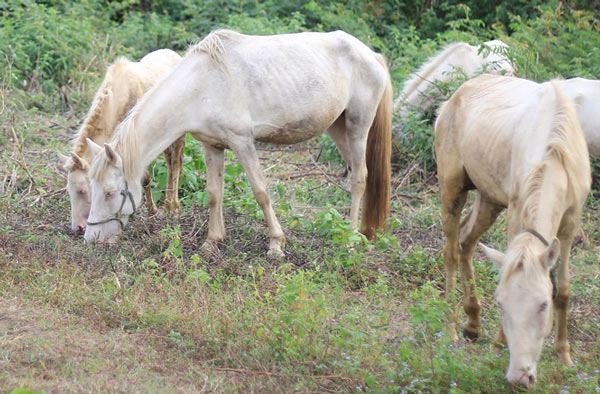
[81, 192]
[108, 195]
[543, 306]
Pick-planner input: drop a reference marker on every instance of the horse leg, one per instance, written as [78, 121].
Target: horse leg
[561, 301]
[214, 188]
[454, 197]
[357, 139]
[173, 160]
[246, 154]
[150, 204]
[480, 218]
[337, 132]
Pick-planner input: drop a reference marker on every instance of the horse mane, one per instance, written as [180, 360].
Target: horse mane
[521, 252]
[214, 44]
[125, 142]
[426, 69]
[561, 146]
[90, 128]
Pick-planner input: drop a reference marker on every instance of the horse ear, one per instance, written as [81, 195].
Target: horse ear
[94, 147]
[111, 155]
[63, 158]
[78, 162]
[494, 255]
[551, 254]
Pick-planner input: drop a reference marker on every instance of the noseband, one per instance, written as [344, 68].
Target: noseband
[125, 193]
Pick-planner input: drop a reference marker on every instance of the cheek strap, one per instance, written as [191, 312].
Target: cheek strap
[118, 216]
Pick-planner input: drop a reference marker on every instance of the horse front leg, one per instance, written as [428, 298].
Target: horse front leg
[561, 301]
[174, 162]
[453, 200]
[150, 204]
[480, 218]
[246, 154]
[214, 188]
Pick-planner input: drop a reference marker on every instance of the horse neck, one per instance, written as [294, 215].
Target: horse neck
[546, 201]
[420, 81]
[152, 131]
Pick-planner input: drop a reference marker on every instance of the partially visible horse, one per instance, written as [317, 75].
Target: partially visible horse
[232, 90]
[519, 145]
[421, 90]
[585, 94]
[124, 84]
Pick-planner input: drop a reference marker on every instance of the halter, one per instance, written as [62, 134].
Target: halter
[537, 235]
[125, 193]
[553, 271]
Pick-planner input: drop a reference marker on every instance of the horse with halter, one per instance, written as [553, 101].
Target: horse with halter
[232, 90]
[519, 145]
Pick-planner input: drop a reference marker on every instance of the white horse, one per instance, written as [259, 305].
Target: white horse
[585, 94]
[421, 90]
[519, 145]
[124, 84]
[232, 90]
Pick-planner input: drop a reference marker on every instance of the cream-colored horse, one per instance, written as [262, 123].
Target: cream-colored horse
[124, 84]
[232, 90]
[585, 94]
[460, 58]
[519, 145]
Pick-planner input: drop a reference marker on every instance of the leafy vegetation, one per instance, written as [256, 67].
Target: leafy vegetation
[155, 313]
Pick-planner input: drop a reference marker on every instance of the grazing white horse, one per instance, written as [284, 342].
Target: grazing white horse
[520, 146]
[585, 94]
[124, 84]
[420, 90]
[232, 90]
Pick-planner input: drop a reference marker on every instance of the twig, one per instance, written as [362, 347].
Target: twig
[46, 195]
[24, 167]
[327, 176]
[267, 373]
[296, 175]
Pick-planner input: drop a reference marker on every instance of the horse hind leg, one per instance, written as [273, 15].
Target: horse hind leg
[479, 219]
[337, 133]
[246, 154]
[174, 162]
[214, 188]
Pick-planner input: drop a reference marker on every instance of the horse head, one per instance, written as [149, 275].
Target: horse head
[78, 188]
[113, 199]
[524, 295]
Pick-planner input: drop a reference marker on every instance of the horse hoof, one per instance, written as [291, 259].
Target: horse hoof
[276, 254]
[470, 336]
[211, 247]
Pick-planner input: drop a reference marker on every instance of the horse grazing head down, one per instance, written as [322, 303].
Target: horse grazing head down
[113, 199]
[78, 188]
[524, 295]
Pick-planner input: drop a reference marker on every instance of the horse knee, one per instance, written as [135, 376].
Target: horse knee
[262, 197]
[561, 301]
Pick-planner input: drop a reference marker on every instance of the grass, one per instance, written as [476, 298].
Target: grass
[155, 314]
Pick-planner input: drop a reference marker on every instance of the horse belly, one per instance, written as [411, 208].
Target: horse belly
[290, 132]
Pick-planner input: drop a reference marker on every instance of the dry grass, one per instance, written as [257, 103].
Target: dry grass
[134, 318]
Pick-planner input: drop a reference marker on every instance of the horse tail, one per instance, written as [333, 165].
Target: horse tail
[376, 203]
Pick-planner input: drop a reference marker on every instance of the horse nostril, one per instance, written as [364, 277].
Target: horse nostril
[531, 381]
[80, 229]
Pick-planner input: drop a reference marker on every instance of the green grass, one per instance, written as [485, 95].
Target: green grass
[155, 314]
